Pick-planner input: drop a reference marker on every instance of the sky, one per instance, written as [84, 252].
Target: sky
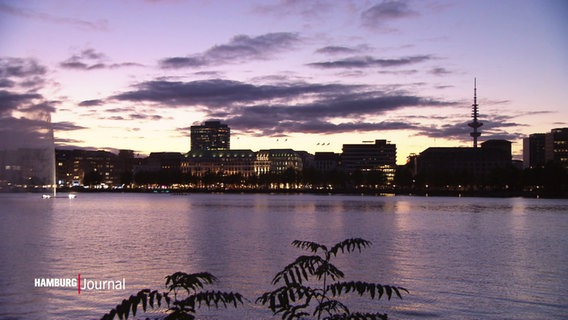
[306, 75]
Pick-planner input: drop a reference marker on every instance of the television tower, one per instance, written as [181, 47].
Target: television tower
[474, 114]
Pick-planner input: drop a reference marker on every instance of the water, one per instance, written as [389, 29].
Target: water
[461, 258]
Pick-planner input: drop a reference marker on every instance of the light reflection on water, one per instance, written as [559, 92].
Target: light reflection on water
[461, 258]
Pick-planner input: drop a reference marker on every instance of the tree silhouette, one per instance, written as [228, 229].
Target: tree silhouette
[187, 298]
[295, 299]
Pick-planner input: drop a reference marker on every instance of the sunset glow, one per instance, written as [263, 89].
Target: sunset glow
[307, 75]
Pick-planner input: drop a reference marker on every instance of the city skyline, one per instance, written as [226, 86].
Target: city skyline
[284, 74]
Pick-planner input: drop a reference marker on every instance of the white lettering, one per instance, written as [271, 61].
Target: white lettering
[85, 284]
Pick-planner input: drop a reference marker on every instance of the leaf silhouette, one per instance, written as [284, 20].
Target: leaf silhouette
[349, 245]
[178, 309]
[373, 289]
[293, 299]
[309, 245]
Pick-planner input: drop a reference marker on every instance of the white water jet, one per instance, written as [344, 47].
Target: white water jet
[27, 151]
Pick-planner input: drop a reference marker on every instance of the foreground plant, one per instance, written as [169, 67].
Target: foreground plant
[187, 298]
[294, 299]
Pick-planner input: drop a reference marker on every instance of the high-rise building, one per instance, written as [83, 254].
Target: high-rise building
[556, 146]
[533, 150]
[212, 135]
[380, 156]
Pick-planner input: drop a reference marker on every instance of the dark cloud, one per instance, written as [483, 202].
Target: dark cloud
[307, 9]
[183, 62]
[459, 131]
[20, 68]
[316, 126]
[439, 71]
[89, 59]
[128, 114]
[140, 116]
[24, 73]
[31, 14]
[25, 115]
[399, 72]
[10, 101]
[299, 118]
[6, 83]
[239, 49]
[25, 132]
[66, 126]
[289, 107]
[91, 103]
[67, 143]
[377, 15]
[369, 62]
[333, 50]
[495, 127]
[218, 92]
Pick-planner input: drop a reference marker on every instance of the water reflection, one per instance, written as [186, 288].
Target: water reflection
[460, 257]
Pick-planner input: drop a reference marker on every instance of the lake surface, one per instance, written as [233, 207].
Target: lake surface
[460, 258]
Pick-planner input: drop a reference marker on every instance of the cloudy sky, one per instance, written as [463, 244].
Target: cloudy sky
[307, 75]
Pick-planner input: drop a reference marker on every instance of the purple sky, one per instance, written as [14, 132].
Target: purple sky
[307, 75]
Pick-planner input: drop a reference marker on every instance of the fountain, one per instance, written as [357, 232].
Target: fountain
[27, 151]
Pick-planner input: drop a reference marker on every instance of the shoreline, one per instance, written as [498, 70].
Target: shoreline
[363, 192]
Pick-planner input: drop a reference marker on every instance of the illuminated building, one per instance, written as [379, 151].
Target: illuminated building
[212, 135]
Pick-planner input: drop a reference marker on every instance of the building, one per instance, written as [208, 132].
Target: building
[533, 150]
[277, 161]
[542, 148]
[224, 162]
[556, 146]
[212, 135]
[86, 167]
[160, 161]
[472, 162]
[380, 156]
[327, 161]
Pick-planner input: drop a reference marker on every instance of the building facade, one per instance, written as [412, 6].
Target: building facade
[556, 146]
[380, 156]
[474, 162]
[225, 162]
[542, 148]
[276, 161]
[533, 150]
[86, 167]
[212, 135]
[327, 161]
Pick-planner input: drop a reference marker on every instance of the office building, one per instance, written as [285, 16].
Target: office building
[223, 162]
[474, 162]
[378, 156]
[277, 161]
[212, 135]
[533, 150]
[556, 146]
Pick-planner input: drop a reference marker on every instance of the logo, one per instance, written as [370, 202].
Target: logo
[82, 284]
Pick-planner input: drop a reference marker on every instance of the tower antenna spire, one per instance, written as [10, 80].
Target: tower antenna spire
[475, 124]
